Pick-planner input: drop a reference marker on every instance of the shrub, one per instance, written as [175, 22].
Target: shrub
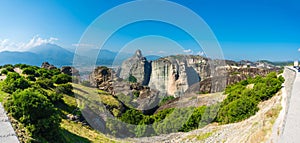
[165, 100]
[132, 116]
[43, 73]
[8, 65]
[55, 71]
[173, 122]
[194, 121]
[64, 89]
[36, 112]
[45, 83]
[10, 68]
[61, 79]
[21, 66]
[136, 94]
[132, 79]
[55, 97]
[4, 71]
[237, 110]
[31, 78]
[13, 82]
[29, 71]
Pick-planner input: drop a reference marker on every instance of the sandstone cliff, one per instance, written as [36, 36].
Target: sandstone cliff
[138, 66]
[173, 75]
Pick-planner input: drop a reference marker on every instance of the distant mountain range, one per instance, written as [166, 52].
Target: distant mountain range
[57, 56]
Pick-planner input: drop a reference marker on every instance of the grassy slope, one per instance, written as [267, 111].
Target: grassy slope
[73, 131]
[2, 94]
[86, 134]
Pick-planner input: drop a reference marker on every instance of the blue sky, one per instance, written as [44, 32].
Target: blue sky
[248, 29]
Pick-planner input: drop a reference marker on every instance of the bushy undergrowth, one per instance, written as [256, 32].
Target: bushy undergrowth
[33, 98]
[241, 103]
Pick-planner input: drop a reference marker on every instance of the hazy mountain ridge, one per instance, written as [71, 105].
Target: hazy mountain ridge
[56, 55]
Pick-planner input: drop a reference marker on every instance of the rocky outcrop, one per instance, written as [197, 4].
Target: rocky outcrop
[138, 66]
[71, 71]
[173, 75]
[233, 75]
[102, 78]
[48, 66]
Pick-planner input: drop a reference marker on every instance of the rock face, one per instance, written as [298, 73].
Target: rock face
[102, 78]
[170, 75]
[48, 66]
[173, 75]
[216, 84]
[138, 66]
[71, 71]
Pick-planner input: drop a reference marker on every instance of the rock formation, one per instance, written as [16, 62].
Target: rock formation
[48, 66]
[173, 75]
[138, 66]
[102, 78]
[71, 71]
[170, 75]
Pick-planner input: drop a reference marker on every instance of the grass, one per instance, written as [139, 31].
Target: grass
[204, 136]
[201, 136]
[75, 132]
[101, 92]
[3, 95]
[109, 100]
[263, 132]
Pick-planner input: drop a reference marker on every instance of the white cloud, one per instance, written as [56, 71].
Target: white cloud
[8, 45]
[187, 51]
[299, 50]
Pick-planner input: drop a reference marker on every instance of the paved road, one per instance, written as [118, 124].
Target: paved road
[291, 131]
[7, 133]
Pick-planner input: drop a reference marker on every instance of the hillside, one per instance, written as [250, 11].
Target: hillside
[71, 109]
[59, 98]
